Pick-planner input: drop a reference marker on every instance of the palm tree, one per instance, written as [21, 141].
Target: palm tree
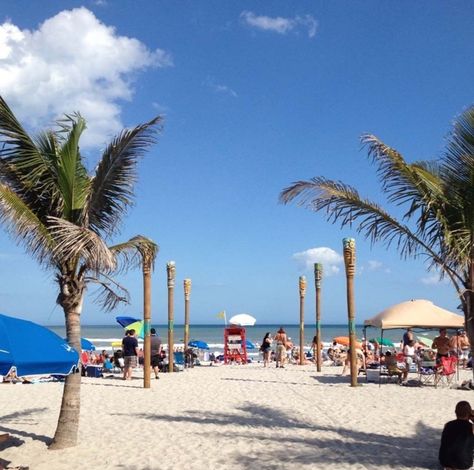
[63, 216]
[438, 196]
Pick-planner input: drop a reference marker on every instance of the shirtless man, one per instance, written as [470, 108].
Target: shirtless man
[441, 344]
[459, 344]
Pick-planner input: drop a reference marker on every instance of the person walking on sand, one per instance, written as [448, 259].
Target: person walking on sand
[155, 341]
[280, 339]
[457, 439]
[130, 353]
[266, 348]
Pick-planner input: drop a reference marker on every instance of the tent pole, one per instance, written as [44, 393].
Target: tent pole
[380, 358]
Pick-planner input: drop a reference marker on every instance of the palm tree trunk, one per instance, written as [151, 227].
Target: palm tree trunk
[469, 307]
[68, 421]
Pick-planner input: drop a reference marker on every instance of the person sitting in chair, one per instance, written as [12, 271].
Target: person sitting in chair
[457, 439]
[393, 369]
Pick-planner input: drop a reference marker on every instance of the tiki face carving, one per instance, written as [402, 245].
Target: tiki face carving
[187, 288]
[349, 255]
[171, 271]
[302, 285]
[318, 274]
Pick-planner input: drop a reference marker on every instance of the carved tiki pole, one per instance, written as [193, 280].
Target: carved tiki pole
[349, 261]
[171, 272]
[318, 276]
[302, 285]
[146, 268]
[187, 294]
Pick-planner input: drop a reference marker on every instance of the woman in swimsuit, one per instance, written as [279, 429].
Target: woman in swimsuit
[281, 339]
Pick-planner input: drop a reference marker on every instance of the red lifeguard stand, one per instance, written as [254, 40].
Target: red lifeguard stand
[235, 347]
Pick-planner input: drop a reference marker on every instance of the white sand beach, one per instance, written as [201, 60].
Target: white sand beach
[232, 417]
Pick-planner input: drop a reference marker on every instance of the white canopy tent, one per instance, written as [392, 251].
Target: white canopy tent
[415, 314]
[421, 314]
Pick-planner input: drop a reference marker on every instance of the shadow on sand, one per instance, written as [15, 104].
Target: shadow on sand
[335, 444]
[22, 418]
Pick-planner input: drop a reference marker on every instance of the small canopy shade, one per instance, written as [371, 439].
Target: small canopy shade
[243, 319]
[249, 344]
[198, 344]
[33, 349]
[382, 342]
[345, 341]
[415, 314]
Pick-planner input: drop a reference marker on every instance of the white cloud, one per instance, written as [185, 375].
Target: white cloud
[72, 62]
[374, 265]
[280, 24]
[329, 258]
[220, 88]
[432, 279]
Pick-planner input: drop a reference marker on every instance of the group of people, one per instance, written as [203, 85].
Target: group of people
[130, 352]
[283, 347]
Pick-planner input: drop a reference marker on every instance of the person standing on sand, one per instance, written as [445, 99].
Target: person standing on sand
[441, 344]
[130, 354]
[460, 346]
[280, 339]
[407, 337]
[266, 348]
[155, 341]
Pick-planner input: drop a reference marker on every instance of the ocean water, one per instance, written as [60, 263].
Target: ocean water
[102, 336]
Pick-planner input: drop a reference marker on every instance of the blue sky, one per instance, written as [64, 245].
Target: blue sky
[255, 95]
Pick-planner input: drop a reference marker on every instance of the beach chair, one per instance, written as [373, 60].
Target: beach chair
[427, 372]
[179, 361]
[445, 371]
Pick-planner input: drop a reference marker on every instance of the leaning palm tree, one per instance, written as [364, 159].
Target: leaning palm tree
[62, 216]
[438, 222]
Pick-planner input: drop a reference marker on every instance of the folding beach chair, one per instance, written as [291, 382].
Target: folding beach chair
[445, 371]
[179, 361]
[427, 372]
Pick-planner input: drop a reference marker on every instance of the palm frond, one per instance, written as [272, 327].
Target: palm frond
[459, 167]
[111, 293]
[20, 150]
[132, 253]
[115, 176]
[414, 184]
[73, 242]
[343, 204]
[24, 226]
[73, 180]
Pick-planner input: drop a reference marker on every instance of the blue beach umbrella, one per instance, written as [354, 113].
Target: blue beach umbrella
[86, 345]
[198, 344]
[125, 321]
[139, 327]
[249, 344]
[33, 349]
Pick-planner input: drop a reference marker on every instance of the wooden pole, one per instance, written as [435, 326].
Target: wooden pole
[171, 272]
[146, 267]
[349, 261]
[302, 285]
[318, 276]
[187, 293]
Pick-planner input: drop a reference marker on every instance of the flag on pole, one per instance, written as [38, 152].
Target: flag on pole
[221, 315]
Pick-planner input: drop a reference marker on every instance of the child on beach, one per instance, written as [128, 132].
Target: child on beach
[457, 439]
